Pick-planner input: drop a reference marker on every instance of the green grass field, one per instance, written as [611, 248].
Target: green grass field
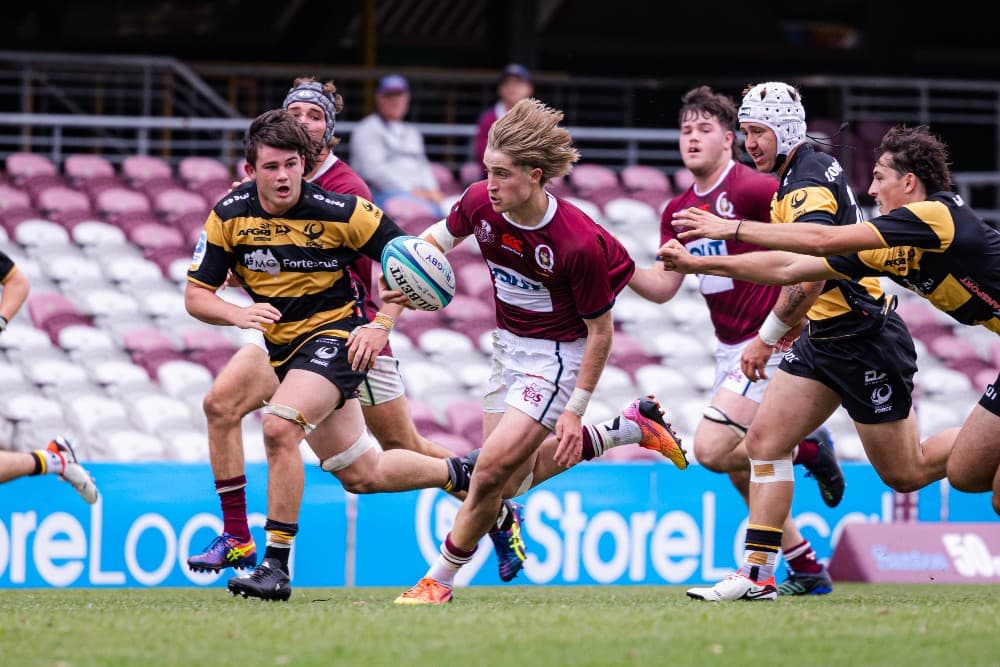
[516, 626]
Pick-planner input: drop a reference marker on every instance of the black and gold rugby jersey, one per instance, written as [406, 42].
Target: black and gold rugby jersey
[298, 262]
[6, 266]
[941, 250]
[814, 189]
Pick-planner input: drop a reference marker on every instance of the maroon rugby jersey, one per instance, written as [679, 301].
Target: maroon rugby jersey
[547, 279]
[336, 175]
[737, 308]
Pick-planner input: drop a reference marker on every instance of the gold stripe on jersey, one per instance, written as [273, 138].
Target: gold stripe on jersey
[798, 202]
[937, 216]
[298, 264]
[898, 260]
[789, 208]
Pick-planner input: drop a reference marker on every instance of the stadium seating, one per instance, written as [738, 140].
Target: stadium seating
[82, 167]
[138, 169]
[106, 351]
[683, 179]
[640, 177]
[22, 165]
[589, 178]
[195, 170]
[58, 199]
[13, 197]
[119, 200]
[446, 181]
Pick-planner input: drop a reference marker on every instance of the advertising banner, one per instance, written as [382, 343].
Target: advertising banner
[621, 523]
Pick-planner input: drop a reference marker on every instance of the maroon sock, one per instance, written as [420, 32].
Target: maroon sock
[588, 446]
[802, 558]
[807, 452]
[233, 497]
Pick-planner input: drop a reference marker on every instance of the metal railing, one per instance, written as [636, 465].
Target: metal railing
[117, 137]
[122, 105]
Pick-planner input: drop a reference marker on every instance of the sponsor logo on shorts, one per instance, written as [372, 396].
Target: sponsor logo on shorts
[532, 395]
[881, 392]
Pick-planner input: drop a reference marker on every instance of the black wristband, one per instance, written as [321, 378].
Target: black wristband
[736, 234]
[3, 323]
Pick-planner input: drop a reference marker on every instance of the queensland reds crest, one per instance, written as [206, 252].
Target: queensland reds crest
[484, 232]
[723, 206]
[544, 257]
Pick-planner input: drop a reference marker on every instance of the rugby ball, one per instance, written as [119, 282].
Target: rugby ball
[420, 271]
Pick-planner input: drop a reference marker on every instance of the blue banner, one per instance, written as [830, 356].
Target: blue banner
[621, 523]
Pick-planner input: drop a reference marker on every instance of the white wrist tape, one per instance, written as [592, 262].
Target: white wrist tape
[439, 232]
[578, 401]
[772, 329]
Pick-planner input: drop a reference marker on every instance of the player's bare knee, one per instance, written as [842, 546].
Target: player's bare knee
[395, 442]
[901, 481]
[356, 480]
[219, 406]
[758, 448]
[279, 433]
[710, 456]
[967, 480]
[490, 481]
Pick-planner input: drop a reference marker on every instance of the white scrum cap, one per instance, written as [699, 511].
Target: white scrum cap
[778, 106]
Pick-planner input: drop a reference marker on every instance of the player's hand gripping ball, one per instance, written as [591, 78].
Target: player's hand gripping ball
[420, 271]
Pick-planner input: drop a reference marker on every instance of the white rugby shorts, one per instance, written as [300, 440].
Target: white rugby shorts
[535, 376]
[383, 384]
[729, 373]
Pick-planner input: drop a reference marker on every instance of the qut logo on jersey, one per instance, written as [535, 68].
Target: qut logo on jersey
[514, 280]
[706, 247]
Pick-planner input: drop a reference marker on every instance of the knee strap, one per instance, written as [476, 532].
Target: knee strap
[289, 413]
[766, 472]
[344, 459]
[714, 414]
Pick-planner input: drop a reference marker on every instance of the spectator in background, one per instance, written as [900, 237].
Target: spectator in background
[738, 308]
[58, 458]
[388, 152]
[513, 86]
